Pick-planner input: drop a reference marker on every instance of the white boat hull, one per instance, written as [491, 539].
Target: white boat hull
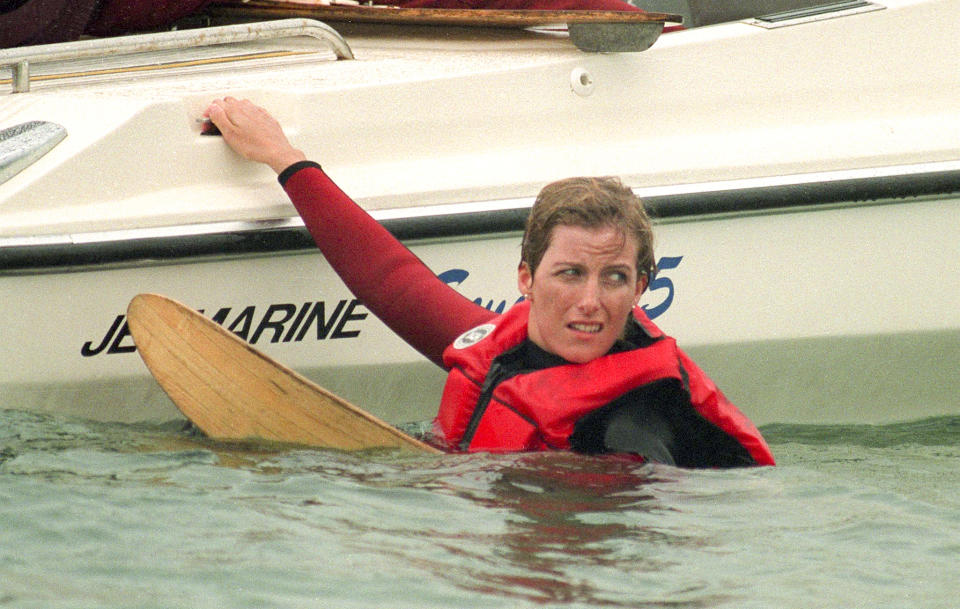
[800, 316]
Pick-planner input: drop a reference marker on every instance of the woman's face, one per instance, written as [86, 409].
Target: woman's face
[585, 287]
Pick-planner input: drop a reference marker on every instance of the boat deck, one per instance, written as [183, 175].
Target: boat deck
[805, 178]
[415, 109]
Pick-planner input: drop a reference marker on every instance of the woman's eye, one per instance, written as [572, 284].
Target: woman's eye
[617, 277]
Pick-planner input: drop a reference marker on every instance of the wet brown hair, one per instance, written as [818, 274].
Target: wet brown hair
[588, 203]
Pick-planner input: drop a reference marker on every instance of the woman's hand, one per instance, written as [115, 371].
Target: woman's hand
[251, 132]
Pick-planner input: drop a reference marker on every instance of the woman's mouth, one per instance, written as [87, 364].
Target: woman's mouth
[590, 328]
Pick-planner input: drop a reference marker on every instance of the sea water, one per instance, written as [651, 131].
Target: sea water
[95, 515]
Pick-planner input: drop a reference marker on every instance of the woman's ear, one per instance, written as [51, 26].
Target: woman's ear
[524, 280]
[641, 286]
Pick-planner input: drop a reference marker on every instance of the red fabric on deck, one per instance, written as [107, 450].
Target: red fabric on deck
[119, 16]
[45, 21]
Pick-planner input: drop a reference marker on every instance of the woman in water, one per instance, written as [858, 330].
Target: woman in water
[575, 365]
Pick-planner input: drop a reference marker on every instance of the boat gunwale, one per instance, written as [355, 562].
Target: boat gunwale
[171, 244]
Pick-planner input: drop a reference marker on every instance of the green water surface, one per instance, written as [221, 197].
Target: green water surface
[117, 516]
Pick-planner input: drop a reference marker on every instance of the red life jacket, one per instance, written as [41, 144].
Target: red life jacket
[538, 409]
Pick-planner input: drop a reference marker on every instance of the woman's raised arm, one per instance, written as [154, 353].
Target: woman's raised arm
[390, 280]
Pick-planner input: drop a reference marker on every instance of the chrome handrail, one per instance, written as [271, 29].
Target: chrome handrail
[20, 58]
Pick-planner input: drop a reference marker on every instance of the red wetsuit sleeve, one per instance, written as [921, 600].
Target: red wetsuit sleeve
[387, 277]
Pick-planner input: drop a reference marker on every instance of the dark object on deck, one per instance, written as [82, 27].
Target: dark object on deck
[29, 22]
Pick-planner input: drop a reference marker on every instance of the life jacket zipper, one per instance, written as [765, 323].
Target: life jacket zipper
[495, 376]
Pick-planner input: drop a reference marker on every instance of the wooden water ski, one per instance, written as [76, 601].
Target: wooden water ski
[606, 31]
[231, 391]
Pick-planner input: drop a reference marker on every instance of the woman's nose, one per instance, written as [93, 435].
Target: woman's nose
[589, 300]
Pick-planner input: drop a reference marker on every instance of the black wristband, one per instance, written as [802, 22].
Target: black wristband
[287, 173]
